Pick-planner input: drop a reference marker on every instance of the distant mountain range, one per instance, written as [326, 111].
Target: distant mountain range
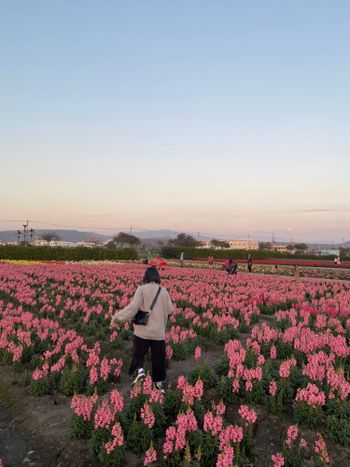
[65, 235]
[80, 236]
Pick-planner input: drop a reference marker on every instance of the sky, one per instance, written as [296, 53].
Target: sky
[223, 117]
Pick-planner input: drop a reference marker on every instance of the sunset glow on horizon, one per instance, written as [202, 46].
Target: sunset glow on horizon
[226, 118]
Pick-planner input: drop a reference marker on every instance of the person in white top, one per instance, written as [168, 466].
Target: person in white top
[152, 334]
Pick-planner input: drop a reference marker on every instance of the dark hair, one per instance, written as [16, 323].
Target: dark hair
[151, 275]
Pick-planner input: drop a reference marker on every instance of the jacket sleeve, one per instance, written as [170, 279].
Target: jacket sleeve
[131, 309]
[170, 306]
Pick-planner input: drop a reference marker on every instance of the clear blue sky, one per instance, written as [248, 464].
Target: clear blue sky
[216, 116]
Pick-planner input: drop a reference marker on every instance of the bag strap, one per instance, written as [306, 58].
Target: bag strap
[155, 298]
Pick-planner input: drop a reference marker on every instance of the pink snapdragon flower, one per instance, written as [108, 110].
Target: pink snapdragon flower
[273, 388]
[147, 415]
[292, 434]
[118, 438]
[225, 458]
[197, 353]
[312, 395]
[320, 448]
[151, 456]
[247, 415]
[277, 459]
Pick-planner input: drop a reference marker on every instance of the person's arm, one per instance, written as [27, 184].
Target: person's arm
[130, 310]
[170, 306]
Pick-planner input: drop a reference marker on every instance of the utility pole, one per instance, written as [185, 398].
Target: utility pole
[25, 233]
[31, 232]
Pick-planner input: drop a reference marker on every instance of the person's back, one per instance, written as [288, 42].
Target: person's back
[158, 317]
[152, 334]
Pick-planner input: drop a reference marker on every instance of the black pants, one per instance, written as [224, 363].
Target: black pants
[141, 347]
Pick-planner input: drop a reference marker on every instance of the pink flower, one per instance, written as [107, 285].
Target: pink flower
[220, 408]
[277, 459]
[117, 401]
[273, 352]
[248, 415]
[230, 433]
[320, 448]
[292, 434]
[147, 415]
[118, 438]
[151, 456]
[93, 375]
[225, 458]
[83, 405]
[311, 395]
[197, 353]
[273, 388]
[169, 352]
[212, 424]
[104, 416]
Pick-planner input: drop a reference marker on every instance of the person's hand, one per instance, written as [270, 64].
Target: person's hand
[114, 319]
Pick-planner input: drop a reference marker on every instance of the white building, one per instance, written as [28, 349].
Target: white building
[243, 244]
[233, 244]
[63, 244]
[330, 252]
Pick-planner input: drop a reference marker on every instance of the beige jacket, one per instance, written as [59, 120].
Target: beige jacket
[143, 298]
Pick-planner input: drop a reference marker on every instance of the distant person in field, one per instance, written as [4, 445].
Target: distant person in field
[234, 268]
[250, 263]
[210, 261]
[152, 335]
[182, 259]
[231, 267]
[228, 266]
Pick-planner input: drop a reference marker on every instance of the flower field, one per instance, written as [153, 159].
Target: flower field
[248, 357]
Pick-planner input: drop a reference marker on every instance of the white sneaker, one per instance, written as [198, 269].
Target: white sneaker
[159, 385]
[140, 376]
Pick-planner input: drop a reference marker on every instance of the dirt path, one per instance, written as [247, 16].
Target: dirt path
[15, 448]
[39, 424]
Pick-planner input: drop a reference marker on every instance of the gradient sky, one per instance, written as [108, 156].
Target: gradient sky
[231, 117]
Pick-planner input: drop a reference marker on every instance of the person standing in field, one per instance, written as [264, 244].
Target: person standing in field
[182, 259]
[250, 263]
[210, 261]
[228, 266]
[152, 335]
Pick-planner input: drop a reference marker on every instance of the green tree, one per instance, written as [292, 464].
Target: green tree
[300, 246]
[50, 237]
[184, 240]
[124, 240]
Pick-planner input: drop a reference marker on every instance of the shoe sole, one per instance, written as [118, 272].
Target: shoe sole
[138, 379]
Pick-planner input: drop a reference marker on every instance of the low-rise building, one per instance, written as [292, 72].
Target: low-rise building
[282, 249]
[248, 244]
[233, 245]
[330, 252]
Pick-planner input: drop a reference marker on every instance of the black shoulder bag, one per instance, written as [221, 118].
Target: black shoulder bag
[141, 317]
